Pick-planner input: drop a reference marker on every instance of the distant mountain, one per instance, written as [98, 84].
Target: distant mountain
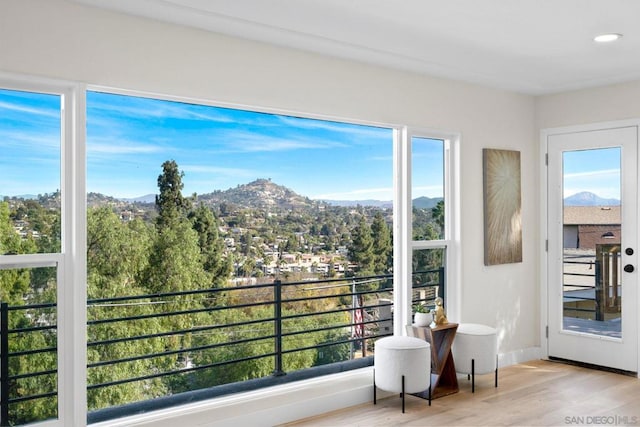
[21, 196]
[587, 198]
[147, 198]
[260, 194]
[98, 199]
[426, 202]
[420, 202]
[367, 202]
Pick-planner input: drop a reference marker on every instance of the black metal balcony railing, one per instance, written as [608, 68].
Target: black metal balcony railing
[340, 317]
[591, 283]
[571, 294]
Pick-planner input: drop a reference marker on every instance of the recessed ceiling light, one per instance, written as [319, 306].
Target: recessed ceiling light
[609, 37]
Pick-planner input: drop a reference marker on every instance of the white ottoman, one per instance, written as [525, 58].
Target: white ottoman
[475, 351]
[402, 365]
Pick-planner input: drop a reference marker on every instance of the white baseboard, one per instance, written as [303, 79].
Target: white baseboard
[519, 356]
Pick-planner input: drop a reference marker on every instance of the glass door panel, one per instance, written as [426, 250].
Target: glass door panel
[592, 223]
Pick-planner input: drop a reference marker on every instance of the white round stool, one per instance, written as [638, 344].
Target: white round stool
[402, 365]
[475, 351]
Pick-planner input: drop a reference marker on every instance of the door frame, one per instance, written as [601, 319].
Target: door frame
[544, 226]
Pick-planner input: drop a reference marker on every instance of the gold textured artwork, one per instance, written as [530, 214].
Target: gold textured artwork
[502, 207]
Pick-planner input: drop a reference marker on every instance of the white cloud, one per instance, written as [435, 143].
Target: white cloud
[205, 169]
[120, 148]
[29, 140]
[355, 130]
[590, 174]
[249, 142]
[137, 107]
[29, 110]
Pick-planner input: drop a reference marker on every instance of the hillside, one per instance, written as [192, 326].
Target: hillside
[426, 202]
[586, 198]
[262, 194]
[259, 194]
[385, 204]
[98, 199]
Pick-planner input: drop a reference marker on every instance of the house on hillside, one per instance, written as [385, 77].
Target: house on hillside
[586, 226]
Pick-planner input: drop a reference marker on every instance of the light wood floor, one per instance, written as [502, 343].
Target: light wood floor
[539, 393]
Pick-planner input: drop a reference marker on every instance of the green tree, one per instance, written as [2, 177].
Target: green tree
[211, 245]
[170, 203]
[116, 251]
[338, 352]
[9, 239]
[14, 283]
[361, 250]
[39, 409]
[248, 266]
[117, 254]
[292, 244]
[424, 225]
[175, 263]
[227, 372]
[382, 245]
[427, 229]
[246, 239]
[49, 242]
[437, 213]
[174, 257]
[17, 289]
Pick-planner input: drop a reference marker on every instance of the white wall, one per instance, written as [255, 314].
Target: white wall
[58, 39]
[603, 104]
[606, 104]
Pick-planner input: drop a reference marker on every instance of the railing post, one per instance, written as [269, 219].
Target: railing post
[599, 285]
[4, 364]
[441, 286]
[277, 315]
[611, 293]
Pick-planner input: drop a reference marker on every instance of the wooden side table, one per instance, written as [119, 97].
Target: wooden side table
[443, 371]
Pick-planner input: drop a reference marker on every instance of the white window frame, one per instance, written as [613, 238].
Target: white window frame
[71, 260]
[403, 244]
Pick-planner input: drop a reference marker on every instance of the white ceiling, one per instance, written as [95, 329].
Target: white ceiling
[529, 46]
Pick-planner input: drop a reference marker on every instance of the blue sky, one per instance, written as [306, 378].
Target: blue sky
[29, 143]
[128, 138]
[596, 171]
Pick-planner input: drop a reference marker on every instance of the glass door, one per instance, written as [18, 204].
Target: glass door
[592, 243]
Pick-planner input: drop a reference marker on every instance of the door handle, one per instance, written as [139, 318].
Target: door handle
[629, 268]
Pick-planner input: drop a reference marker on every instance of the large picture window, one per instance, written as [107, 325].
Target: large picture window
[227, 245]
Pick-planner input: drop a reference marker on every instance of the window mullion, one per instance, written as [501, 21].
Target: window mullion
[402, 233]
[72, 292]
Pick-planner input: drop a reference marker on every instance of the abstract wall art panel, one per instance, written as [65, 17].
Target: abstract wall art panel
[502, 207]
